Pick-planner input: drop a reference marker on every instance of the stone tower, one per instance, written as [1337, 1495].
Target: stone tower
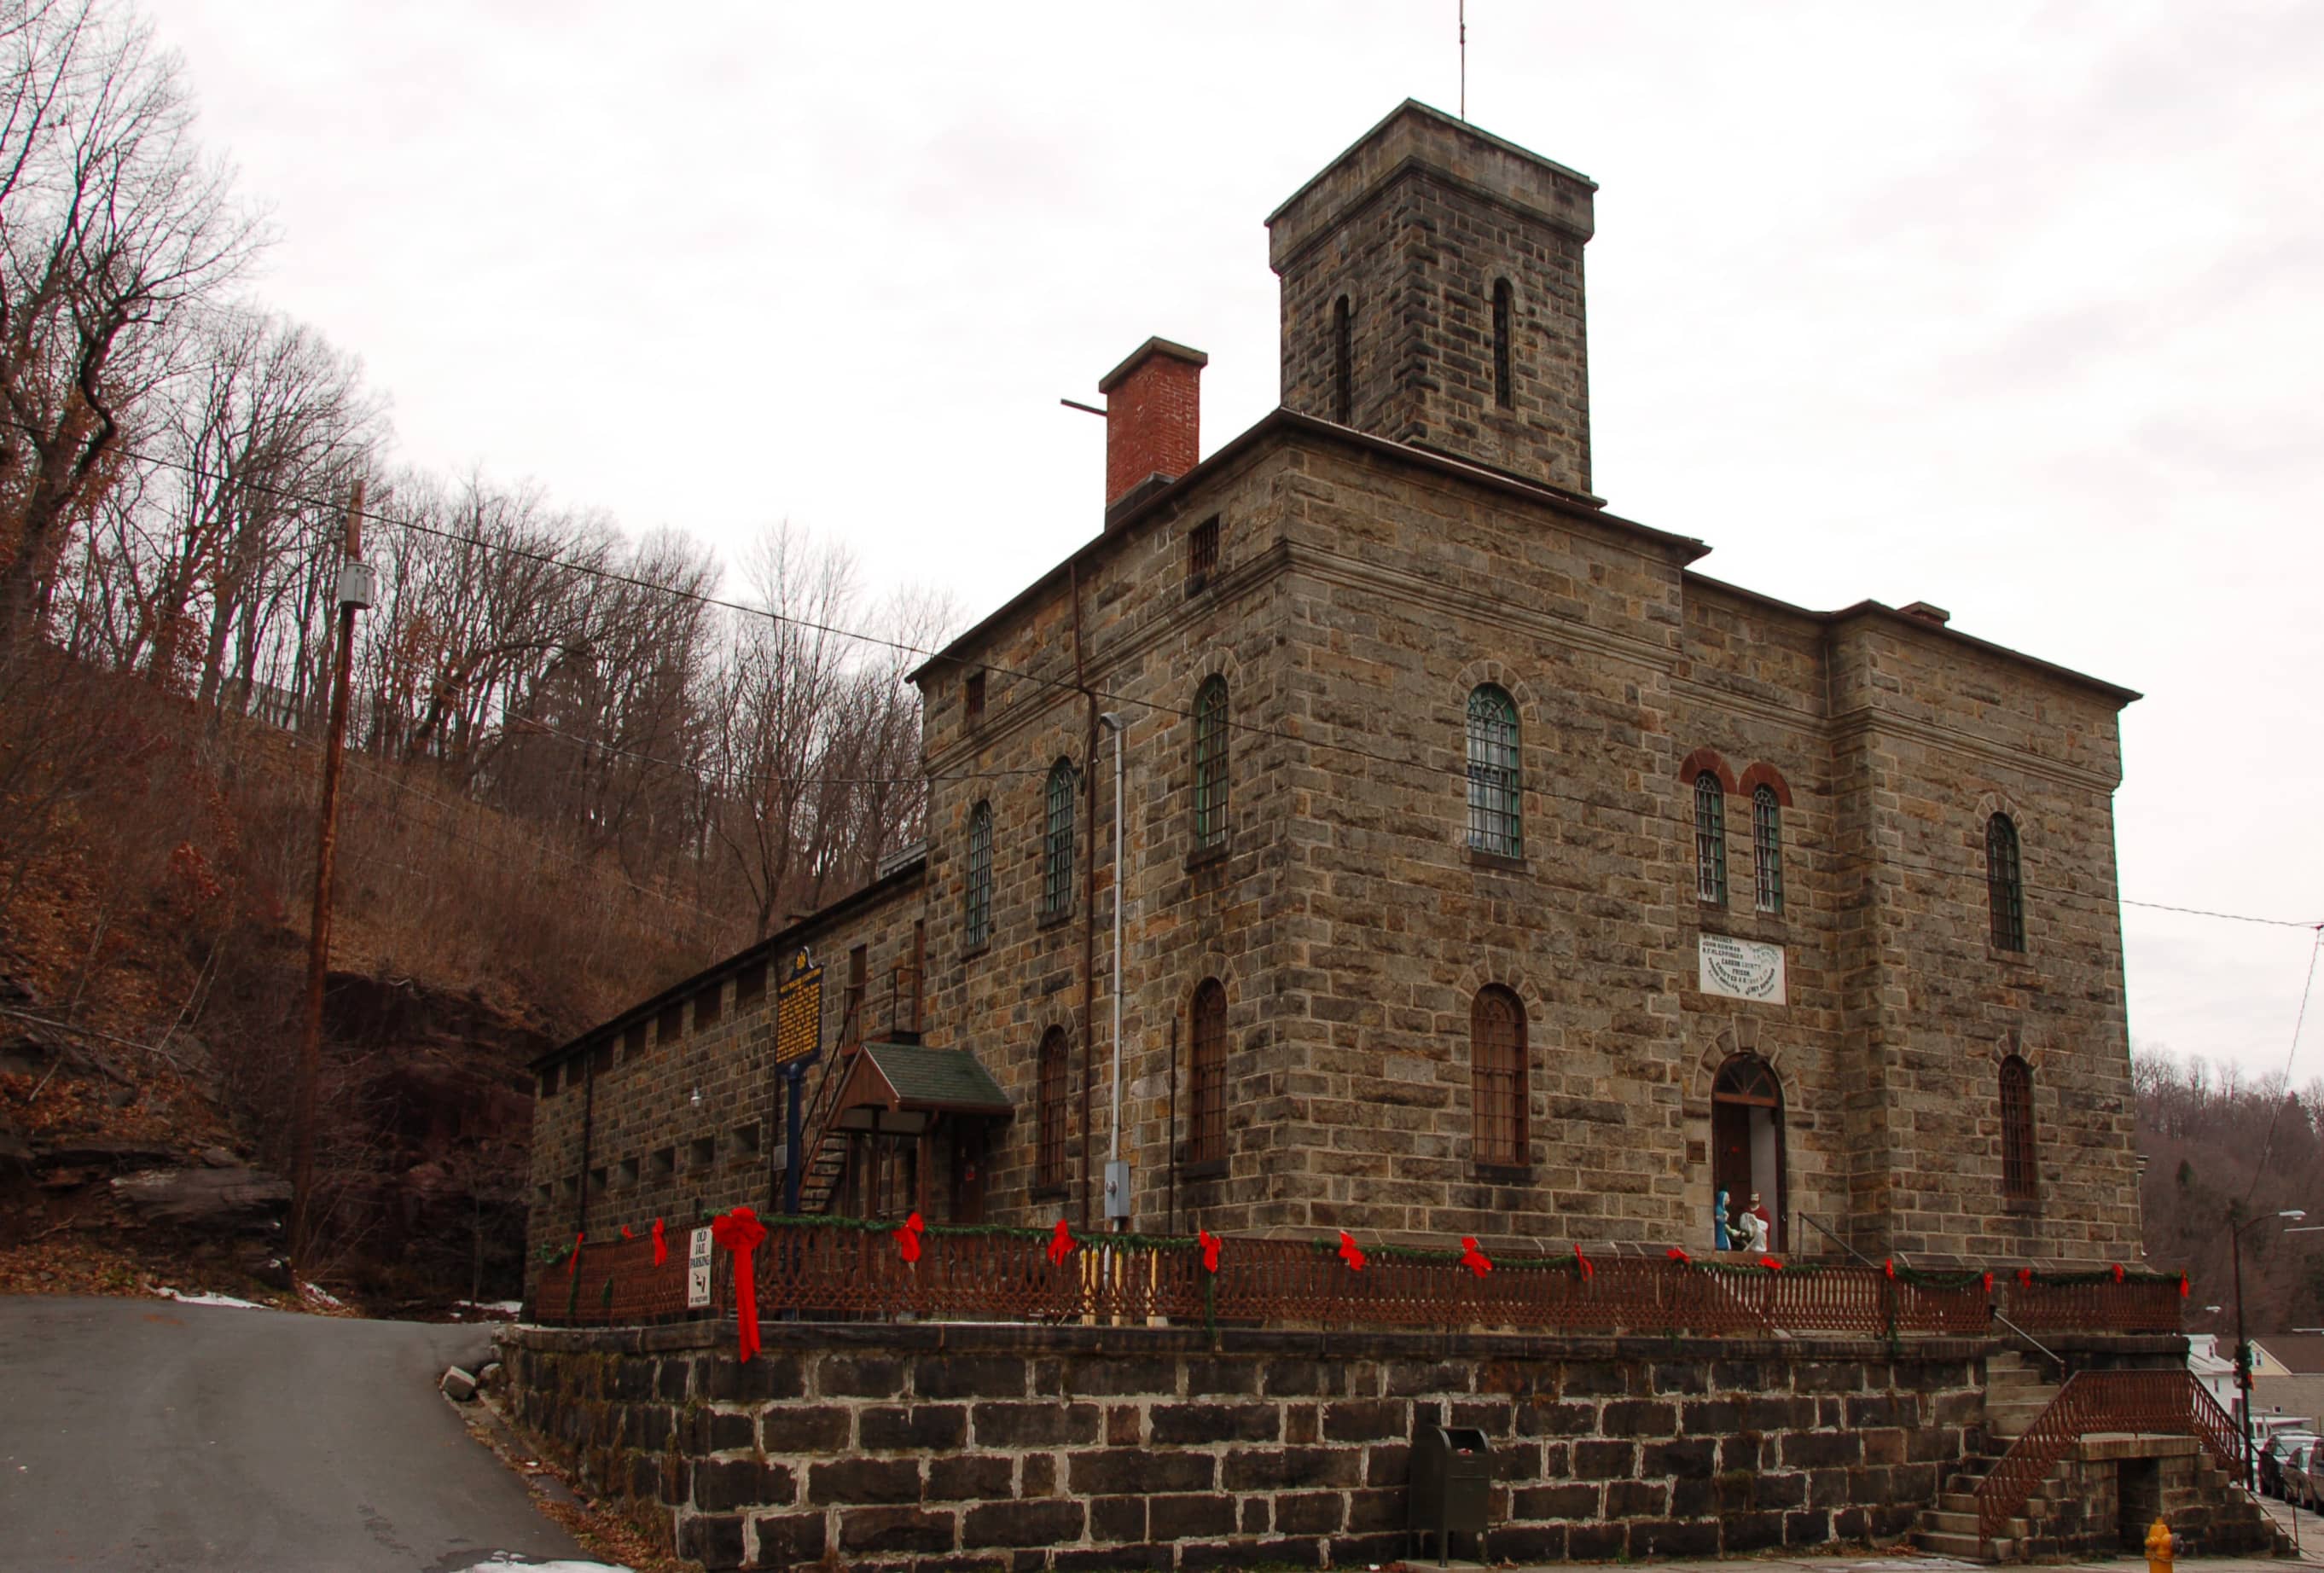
[1432, 294]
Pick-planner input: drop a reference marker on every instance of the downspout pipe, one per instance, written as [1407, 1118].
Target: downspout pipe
[1117, 1176]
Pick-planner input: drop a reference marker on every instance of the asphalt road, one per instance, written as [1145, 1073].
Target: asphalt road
[139, 1434]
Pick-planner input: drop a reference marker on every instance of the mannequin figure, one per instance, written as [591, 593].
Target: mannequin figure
[1719, 1241]
[1750, 1231]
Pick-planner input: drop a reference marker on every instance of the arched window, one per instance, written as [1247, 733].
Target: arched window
[1496, 1061]
[1206, 1138]
[1504, 385]
[1496, 786]
[2017, 1173]
[1767, 849]
[1049, 1162]
[2004, 887]
[976, 913]
[1057, 844]
[1344, 363]
[1211, 764]
[1710, 840]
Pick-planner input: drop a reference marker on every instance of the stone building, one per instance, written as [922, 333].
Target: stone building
[1486, 868]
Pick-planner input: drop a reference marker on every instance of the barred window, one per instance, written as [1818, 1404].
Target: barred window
[976, 917]
[1344, 363]
[973, 699]
[2005, 886]
[1206, 1141]
[1767, 849]
[1211, 763]
[2017, 1130]
[1504, 387]
[1497, 1057]
[1202, 554]
[1710, 840]
[1049, 1164]
[1057, 844]
[1495, 782]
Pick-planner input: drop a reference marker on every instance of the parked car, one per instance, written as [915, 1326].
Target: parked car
[2275, 1455]
[2301, 1469]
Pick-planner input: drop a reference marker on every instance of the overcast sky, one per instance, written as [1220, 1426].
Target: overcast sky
[2011, 308]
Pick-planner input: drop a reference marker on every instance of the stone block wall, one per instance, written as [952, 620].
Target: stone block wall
[2101, 1499]
[952, 1447]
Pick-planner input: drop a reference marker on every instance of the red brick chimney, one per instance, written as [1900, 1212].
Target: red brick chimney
[1153, 419]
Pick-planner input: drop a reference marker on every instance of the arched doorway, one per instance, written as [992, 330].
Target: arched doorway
[1746, 1142]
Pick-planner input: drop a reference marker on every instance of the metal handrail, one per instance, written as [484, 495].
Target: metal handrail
[2047, 1352]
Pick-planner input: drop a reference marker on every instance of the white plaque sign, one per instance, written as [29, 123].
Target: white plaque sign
[1742, 968]
[697, 1270]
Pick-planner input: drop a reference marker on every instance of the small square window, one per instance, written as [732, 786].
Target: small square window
[751, 985]
[707, 1005]
[703, 1153]
[671, 1025]
[629, 1173]
[597, 1181]
[746, 1138]
[633, 1043]
[1202, 556]
[549, 1082]
[665, 1163]
[602, 1060]
[540, 1196]
[973, 699]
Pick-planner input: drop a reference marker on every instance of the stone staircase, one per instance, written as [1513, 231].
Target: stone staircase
[2016, 1393]
[2080, 1508]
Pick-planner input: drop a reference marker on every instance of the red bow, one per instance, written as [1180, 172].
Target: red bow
[661, 1247]
[2024, 1277]
[1210, 1243]
[1770, 1264]
[1061, 1244]
[1475, 1260]
[1351, 1252]
[2183, 1286]
[1584, 1264]
[626, 1233]
[1677, 1254]
[738, 1231]
[908, 1237]
[573, 1262]
[1988, 1280]
[2117, 1271]
[1889, 1266]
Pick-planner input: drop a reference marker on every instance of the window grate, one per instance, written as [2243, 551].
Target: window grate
[2017, 1170]
[1710, 840]
[1049, 1167]
[1497, 1053]
[1057, 848]
[973, 699]
[1767, 849]
[2004, 885]
[1206, 1142]
[1504, 385]
[1211, 763]
[1202, 556]
[1496, 785]
[976, 918]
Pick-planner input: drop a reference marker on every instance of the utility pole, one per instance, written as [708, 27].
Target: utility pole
[2243, 1339]
[357, 588]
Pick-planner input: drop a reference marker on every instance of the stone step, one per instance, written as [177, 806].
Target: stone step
[1942, 1523]
[1968, 1547]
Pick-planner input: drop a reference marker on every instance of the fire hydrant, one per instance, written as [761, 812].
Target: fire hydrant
[2158, 1548]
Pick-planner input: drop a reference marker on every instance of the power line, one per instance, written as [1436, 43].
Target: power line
[1095, 694]
[2298, 1021]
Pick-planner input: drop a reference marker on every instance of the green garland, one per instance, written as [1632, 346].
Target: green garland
[2103, 1275]
[1921, 1279]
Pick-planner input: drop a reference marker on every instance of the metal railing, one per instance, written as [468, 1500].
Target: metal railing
[2157, 1403]
[2135, 1305]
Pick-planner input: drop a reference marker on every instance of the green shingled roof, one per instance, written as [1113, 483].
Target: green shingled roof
[946, 1079]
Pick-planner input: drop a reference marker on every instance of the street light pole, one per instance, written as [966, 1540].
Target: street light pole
[2243, 1339]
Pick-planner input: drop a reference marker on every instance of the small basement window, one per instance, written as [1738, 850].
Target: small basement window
[540, 1196]
[671, 1025]
[751, 985]
[665, 1163]
[597, 1181]
[633, 1043]
[602, 1060]
[746, 1138]
[707, 1005]
[629, 1173]
[703, 1154]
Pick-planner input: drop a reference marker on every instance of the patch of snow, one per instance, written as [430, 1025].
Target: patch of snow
[185, 1299]
[317, 1292]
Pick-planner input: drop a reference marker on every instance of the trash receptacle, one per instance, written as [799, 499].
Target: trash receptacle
[1452, 1473]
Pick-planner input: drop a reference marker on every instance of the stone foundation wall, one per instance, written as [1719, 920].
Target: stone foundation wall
[1081, 1447]
[2079, 1511]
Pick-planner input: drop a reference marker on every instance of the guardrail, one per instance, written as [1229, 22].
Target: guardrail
[2135, 1305]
